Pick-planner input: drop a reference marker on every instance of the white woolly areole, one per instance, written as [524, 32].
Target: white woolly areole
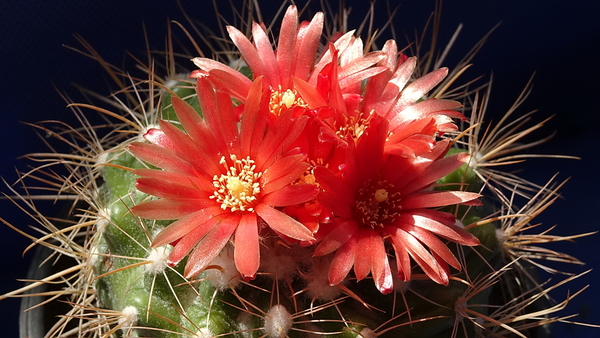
[128, 318]
[400, 285]
[103, 220]
[278, 322]
[500, 235]
[280, 262]
[94, 252]
[158, 259]
[245, 321]
[317, 282]
[368, 333]
[225, 275]
[204, 333]
[102, 158]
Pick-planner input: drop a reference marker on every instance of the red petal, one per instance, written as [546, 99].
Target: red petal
[253, 119]
[309, 94]
[336, 238]
[362, 262]
[266, 55]
[380, 265]
[434, 244]
[186, 225]
[161, 157]
[280, 136]
[291, 195]
[282, 172]
[334, 203]
[158, 137]
[428, 220]
[436, 170]
[423, 257]
[210, 246]
[190, 240]
[189, 150]
[283, 223]
[168, 189]
[334, 185]
[342, 261]
[358, 77]
[286, 44]
[165, 209]
[422, 86]
[434, 199]
[307, 49]
[248, 51]
[402, 258]
[196, 181]
[247, 253]
[242, 83]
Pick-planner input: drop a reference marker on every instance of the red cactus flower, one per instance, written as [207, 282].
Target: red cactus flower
[296, 58]
[223, 178]
[380, 199]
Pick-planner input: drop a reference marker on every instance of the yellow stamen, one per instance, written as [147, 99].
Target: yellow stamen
[280, 101]
[239, 187]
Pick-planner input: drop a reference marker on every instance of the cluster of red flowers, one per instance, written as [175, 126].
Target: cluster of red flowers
[336, 149]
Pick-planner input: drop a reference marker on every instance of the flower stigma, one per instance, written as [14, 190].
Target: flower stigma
[282, 100]
[375, 205]
[238, 188]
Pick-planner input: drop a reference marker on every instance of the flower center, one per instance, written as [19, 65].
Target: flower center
[239, 187]
[354, 126]
[376, 204]
[281, 101]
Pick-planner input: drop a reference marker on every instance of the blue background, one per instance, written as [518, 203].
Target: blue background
[558, 40]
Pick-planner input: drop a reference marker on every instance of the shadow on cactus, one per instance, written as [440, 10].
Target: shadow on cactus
[311, 184]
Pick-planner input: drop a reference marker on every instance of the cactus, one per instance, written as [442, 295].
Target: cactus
[311, 190]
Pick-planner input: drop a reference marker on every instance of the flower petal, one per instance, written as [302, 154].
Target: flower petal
[185, 225]
[337, 237]
[309, 43]
[333, 184]
[210, 246]
[291, 195]
[266, 54]
[161, 157]
[166, 209]
[434, 199]
[247, 253]
[434, 244]
[242, 82]
[283, 223]
[283, 172]
[433, 221]
[286, 44]
[380, 265]
[342, 261]
[362, 261]
[190, 240]
[248, 51]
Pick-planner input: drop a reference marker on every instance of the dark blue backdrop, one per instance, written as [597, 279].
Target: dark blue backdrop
[556, 39]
